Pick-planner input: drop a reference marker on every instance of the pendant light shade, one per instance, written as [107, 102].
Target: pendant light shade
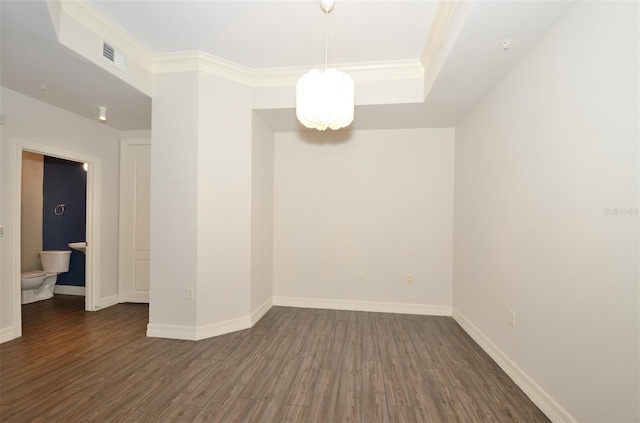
[325, 99]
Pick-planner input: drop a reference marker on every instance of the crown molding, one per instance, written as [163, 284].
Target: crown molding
[197, 61]
[92, 18]
[447, 23]
[437, 31]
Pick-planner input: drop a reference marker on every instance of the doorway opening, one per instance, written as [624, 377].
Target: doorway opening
[53, 218]
[92, 227]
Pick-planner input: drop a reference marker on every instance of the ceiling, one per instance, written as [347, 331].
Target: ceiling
[30, 55]
[268, 34]
[275, 34]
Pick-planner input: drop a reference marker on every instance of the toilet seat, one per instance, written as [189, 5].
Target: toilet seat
[33, 274]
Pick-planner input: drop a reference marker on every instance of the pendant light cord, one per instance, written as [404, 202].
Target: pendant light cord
[326, 40]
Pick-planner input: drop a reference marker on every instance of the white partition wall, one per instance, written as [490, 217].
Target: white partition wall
[200, 206]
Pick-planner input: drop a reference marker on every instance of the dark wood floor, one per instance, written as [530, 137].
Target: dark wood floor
[295, 365]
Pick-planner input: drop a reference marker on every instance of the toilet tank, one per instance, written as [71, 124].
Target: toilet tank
[55, 261]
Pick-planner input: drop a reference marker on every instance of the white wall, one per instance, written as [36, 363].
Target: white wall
[32, 198]
[224, 200]
[538, 163]
[261, 213]
[378, 203]
[136, 134]
[200, 206]
[173, 201]
[31, 120]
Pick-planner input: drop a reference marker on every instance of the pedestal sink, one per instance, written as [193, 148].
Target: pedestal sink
[79, 246]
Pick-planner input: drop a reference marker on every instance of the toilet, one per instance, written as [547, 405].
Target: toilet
[38, 285]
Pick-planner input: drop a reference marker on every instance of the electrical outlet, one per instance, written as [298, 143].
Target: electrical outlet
[512, 318]
[360, 277]
[409, 279]
[190, 294]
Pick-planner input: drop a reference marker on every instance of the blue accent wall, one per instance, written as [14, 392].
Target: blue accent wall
[65, 182]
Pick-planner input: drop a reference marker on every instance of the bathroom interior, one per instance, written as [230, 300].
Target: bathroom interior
[53, 227]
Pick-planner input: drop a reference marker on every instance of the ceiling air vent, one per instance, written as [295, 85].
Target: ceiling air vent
[113, 56]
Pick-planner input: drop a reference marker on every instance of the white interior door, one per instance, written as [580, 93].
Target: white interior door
[134, 221]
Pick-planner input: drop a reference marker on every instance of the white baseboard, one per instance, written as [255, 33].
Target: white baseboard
[380, 307]
[7, 334]
[543, 400]
[261, 311]
[69, 290]
[220, 328]
[107, 302]
[196, 333]
[187, 333]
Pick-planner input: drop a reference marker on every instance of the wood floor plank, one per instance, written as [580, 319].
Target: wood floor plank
[425, 402]
[298, 365]
[279, 387]
[202, 382]
[324, 397]
[353, 332]
[486, 386]
[411, 365]
[241, 411]
[302, 387]
[265, 372]
[374, 400]
[402, 414]
[221, 403]
[8, 413]
[176, 413]
[118, 415]
[266, 412]
[477, 412]
[448, 402]
[317, 348]
[333, 354]
[349, 401]
[339, 330]
[292, 413]
[370, 344]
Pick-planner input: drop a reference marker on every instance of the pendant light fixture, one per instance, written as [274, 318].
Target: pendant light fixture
[325, 98]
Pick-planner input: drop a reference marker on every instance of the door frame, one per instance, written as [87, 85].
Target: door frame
[92, 254]
[124, 143]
